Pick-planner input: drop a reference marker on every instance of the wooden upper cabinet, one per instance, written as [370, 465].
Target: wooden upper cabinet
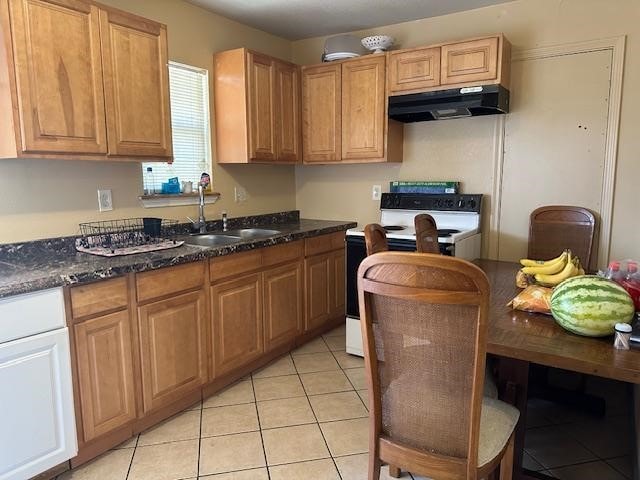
[173, 348]
[82, 81]
[287, 95]
[261, 107]
[413, 69]
[322, 113]
[257, 108]
[363, 108]
[473, 61]
[136, 79]
[105, 373]
[58, 75]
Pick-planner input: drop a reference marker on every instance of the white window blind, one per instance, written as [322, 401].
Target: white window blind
[189, 94]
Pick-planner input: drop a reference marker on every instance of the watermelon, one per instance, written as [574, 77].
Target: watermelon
[591, 306]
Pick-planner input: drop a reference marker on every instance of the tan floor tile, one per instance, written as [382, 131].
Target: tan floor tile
[325, 382]
[357, 378]
[316, 345]
[253, 474]
[168, 461]
[184, 426]
[338, 406]
[241, 392]
[278, 387]
[364, 395]
[128, 443]
[315, 362]
[231, 452]
[340, 331]
[285, 412]
[282, 366]
[113, 465]
[315, 469]
[336, 344]
[346, 360]
[347, 437]
[356, 467]
[229, 419]
[294, 444]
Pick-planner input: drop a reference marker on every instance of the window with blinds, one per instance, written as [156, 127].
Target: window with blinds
[189, 94]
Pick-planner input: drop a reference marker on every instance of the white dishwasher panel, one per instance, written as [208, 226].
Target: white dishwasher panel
[31, 313]
[37, 424]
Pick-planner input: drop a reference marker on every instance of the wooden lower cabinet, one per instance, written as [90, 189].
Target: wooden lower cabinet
[338, 292]
[173, 348]
[282, 305]
[318, 290]
[105, 373]
[237, 334]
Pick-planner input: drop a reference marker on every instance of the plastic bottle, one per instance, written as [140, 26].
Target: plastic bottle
[631, 283]
[149, 182]
[613, 272]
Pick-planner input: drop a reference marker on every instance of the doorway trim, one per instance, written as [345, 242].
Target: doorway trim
[617, 47]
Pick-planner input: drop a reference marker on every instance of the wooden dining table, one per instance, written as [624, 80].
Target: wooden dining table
[519, 339]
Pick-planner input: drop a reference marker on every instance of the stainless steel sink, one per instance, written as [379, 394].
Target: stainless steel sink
[250, 233]
[211, 240]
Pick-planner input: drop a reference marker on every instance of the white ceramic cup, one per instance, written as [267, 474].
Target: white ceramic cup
[187, 187]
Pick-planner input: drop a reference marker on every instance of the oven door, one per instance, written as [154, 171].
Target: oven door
[356, 252]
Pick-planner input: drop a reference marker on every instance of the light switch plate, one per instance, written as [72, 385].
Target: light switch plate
[105, 203]
[376, 192]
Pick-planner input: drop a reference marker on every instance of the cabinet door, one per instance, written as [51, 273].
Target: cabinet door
[287, 95]
[261, 108]
[338, 273]
[105, 373]
[318, 293]
[363, 108]
[282, 304]
[473, 61]
[136, 82]
[59, 76]
[172, 348]
[237, 322]
[415, 69]
[321, 114]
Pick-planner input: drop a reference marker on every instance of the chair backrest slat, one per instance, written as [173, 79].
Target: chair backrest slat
[426, 234]
[375, 239]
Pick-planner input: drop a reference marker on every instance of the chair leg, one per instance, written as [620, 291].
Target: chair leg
[394, 471]
[374, 467]
[506, 464]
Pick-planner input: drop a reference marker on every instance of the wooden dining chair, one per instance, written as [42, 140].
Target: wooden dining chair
[426, 234]
[424, 328]
[375, 238]
[555, 228]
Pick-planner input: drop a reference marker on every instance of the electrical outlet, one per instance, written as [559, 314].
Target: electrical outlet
[105, 203]
[240, 194]
[376, 192]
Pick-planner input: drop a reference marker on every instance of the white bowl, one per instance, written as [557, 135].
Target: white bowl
[377, 43]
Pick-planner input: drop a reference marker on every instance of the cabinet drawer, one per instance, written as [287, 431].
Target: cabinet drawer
[237, 263]
[98, 297]
[162, 282]
[323, 243]
[282, 253]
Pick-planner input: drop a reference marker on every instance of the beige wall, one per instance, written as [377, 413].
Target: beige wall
[462, 149]
[40, 199]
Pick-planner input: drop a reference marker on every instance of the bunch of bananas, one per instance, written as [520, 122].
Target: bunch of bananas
[549, 273]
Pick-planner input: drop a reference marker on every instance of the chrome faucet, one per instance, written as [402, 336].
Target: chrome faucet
[225, 223]
[201, 224]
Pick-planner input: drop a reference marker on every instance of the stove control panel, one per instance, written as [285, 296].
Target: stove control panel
[446, 202]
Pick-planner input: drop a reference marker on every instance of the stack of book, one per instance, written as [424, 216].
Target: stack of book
[409, 186]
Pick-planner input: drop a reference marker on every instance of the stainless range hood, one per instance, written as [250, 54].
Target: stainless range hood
[447, 104]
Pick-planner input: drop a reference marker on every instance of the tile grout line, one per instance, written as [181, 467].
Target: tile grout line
[135, 447]
[255, 404]
[200, 437]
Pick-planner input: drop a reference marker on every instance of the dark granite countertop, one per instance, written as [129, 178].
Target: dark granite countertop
[31, 266]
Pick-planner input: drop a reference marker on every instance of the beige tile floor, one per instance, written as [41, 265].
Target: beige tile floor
[304, 417]
[301, 417]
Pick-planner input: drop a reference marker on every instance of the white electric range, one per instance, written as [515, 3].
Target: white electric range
[457, 218]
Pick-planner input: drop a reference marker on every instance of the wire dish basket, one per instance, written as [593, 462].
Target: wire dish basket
[127, 236]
